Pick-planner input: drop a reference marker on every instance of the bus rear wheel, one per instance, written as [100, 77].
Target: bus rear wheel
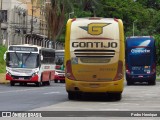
[129, 82]
[71, 95]
[153, 82]
[115, 96]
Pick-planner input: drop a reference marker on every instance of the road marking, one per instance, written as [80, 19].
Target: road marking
[52, 93]
[20, 90]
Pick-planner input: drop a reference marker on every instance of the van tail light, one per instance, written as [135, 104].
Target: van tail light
[127, 69]
[153, 68]
[69, 73]
[119, 74]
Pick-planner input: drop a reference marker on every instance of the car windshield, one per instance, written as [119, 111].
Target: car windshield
[22, 60]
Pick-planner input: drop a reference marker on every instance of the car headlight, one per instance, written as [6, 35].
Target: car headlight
[56, 73]
[34, 74]
[9, 73]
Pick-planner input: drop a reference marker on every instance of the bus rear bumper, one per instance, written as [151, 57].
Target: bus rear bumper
[141, 78]
[94, 87]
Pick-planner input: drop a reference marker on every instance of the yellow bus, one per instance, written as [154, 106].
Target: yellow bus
[94, 56]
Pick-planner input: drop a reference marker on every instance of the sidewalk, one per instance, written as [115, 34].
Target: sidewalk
[2, 79]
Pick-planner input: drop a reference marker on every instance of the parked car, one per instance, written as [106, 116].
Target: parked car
[59, 76]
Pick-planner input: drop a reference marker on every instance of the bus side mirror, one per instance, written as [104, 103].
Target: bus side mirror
[41, 57]
[4, 56]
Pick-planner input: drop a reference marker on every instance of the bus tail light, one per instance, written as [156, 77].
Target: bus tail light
[119, 74]
[127, 69]
[69, 73]
[153, 68]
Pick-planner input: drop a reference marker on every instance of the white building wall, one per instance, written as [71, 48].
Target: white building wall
[15, 20]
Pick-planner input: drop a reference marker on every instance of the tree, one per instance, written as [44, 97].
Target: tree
[150, 3]
[55, 17]
[85, 8]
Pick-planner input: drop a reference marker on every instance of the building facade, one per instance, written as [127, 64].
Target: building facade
[23, 22]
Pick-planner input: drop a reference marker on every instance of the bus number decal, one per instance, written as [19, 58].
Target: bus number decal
[94, 44]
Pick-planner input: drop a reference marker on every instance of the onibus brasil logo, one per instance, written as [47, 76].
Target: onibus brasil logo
[94, 28]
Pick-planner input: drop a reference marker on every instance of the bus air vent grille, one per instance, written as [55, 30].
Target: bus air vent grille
[94, 53]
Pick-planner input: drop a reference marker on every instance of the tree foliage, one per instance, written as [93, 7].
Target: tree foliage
[55, 17]
[143, 13]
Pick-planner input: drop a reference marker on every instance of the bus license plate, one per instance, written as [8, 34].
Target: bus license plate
[140, 76]
[94, 85]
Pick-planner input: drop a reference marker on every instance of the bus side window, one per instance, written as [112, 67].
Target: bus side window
[48, 57]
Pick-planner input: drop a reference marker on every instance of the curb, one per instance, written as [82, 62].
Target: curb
[6, 82]
[2, 79]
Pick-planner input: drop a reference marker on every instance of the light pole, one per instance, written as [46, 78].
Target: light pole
[0, 23]
[133, 26]
[70, 14]
[94, 13]
[32, 22]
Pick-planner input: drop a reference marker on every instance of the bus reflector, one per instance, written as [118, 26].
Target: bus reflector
[127, 69]
[119, 73]
[69, 73]
[153, 68]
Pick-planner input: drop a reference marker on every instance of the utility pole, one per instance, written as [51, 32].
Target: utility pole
[133, 26]
[32, 22]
